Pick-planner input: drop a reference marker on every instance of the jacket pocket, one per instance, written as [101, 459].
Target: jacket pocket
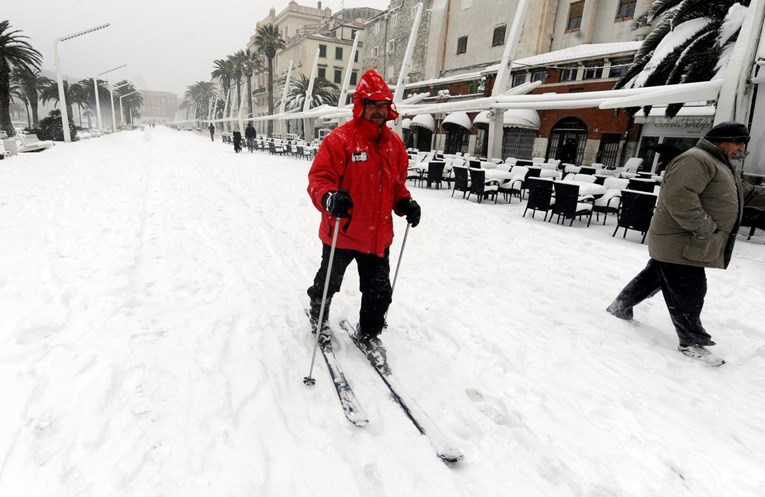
[707, 250]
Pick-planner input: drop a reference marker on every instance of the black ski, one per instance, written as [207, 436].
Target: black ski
[348, 401]
[444, 449]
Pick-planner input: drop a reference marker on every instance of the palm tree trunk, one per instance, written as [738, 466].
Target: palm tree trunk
[249, 97]
[29, 118]
[5, 98]
[270, 94]
[34, 105]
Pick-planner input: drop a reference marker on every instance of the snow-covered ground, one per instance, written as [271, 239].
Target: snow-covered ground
[153, 343]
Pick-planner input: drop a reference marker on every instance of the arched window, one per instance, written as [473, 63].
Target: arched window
[567, 141]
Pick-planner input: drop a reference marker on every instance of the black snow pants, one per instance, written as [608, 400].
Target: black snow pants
[683, 287]
[374, 283]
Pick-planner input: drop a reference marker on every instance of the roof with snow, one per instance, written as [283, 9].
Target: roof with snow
[579, 52]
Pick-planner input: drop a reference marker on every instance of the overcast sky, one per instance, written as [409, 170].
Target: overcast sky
[166, 44]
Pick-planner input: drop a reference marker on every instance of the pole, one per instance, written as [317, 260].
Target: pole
[98, 104]
[309, 380]
[398, 265]
[60, 81]
[61, 93]
[114, 119]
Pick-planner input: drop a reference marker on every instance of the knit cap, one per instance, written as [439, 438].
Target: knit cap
[729, 131]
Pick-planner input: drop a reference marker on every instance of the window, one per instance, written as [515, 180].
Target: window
[394, 18]
[575, 11]
[462, 44]
[353, 34]
[626, 9]
[323, 72]
[593, 71]
[339, 53]
[322, 50]
[391, 47]
[354, 77]
[356, 56]
[375, 52]
[568, 73]
[619, 67]
[538, 76]
[338, 76]
[519, 78]
[389, 73]
[377, 27]
[498, 38]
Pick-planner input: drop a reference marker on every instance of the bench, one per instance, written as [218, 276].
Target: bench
[226, 137]
[31, 143]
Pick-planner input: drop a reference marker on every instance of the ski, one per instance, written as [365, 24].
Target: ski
[348, 401]
[438, 440]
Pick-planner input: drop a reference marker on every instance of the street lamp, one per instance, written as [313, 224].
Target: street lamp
[98, 100]
[122, 112]
[61, 96]
[111, 99]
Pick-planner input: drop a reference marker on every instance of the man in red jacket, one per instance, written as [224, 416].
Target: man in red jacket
[359, 174]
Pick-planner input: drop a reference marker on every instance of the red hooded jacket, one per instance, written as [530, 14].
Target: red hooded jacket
[370, 163]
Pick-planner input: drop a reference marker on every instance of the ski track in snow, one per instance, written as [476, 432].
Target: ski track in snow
[152, 287]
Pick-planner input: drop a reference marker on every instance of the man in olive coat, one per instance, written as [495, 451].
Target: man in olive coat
[694, 227]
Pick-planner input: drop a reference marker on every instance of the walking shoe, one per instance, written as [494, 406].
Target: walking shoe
[699, 353]
[618, 310]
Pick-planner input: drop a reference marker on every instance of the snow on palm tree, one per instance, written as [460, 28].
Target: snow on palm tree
[688, 37]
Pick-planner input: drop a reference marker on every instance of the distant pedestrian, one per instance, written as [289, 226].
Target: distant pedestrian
[250, 134]
[237, 141]
[568, 152]
[694, 227]
[212, 132]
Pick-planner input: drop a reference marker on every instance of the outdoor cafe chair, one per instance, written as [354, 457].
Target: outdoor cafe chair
[569, 205]
[481, 187]
[610, 202]
[435, 173]
[635, 212]
[540, 196]
[461, 180]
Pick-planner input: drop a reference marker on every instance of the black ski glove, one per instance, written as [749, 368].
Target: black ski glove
[337, 203]
[411, 210]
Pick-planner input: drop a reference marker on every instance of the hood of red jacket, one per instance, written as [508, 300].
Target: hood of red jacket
[372, 86]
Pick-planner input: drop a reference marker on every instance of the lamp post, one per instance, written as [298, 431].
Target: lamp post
[60, 81]
[122, 112]
[98, 100]
[111, 99]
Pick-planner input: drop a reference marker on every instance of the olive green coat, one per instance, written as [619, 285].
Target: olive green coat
[699, 209]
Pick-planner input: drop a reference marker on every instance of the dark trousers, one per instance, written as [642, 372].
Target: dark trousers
[374, 283]
[683, 288]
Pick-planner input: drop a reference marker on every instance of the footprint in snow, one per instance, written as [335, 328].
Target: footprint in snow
[491, 408]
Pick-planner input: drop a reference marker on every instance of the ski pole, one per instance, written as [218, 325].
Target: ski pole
[310, 380]
[398, 265]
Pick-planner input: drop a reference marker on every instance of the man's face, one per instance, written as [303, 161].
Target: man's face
[732, 149]
[376, 111]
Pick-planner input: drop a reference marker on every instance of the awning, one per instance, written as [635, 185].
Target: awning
[514, 118]
[424, 121]
[405, 123]
[457, 120]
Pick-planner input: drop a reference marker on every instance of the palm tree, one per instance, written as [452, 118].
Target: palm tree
[250, 64]
[237, 62]
[31, 84]
[15, 51]
[269, 41]
[103, 97]
[223, 71]
[200, 93]
[324, 92]
[131, 104]
[689, 37]
[50, 93]
[78, 95]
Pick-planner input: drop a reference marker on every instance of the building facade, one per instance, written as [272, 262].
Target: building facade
[158, 106]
